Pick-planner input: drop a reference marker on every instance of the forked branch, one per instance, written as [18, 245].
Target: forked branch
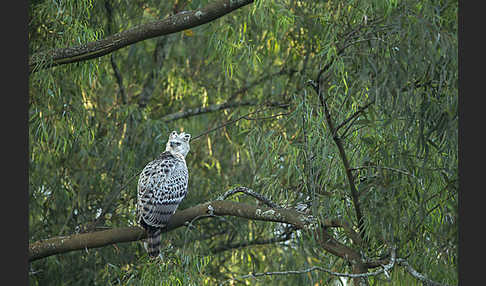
[342, 154]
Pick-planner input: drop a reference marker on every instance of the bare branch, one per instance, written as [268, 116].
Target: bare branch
[249, 192]
[268, 117]
[260, 80]
[418, 275]
[281, 238]
[384, 168]
[235, 120]
[172, 24]
[201, 110]
[62, 244]
[404, 263]
[230, 103]
[385, 269]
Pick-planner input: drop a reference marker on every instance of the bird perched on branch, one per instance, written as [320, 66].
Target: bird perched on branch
[162, 186]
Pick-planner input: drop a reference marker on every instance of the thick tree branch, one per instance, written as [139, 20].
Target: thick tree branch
[333, 246]
[62, 244]
[172, 24]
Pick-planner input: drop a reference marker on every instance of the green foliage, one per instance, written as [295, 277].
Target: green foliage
[88, 140]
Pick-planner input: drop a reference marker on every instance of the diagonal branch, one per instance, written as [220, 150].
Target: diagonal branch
[201, 110]
[317, 85]
[385, 269]
[240, 118]
[418, 275]
[342, 154]
[260, 80]
[172, 24]
[56, 245]
[231, 102]
[296, 220]
[249, 192]
[356, 114]
[281, 238]
[216, 107]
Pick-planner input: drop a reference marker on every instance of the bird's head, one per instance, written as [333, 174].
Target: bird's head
[178, 144]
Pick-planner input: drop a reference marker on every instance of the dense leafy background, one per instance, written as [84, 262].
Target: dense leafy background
[89, 136]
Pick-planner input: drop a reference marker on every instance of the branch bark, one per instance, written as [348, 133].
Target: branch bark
[62, 244]
[172, 24]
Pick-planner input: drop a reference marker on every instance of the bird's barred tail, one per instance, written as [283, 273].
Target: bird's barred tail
[153, 242]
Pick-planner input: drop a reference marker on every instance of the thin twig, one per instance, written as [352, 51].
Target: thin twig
[268, 117]
[418, 275]
[249, 192]
[260, 80]
[281, 238]
[215, 107]
[358, 112]
[109, 202]
[225, 124]
[384, 168]
[384, 269]
[406, 173]
[231, 122]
